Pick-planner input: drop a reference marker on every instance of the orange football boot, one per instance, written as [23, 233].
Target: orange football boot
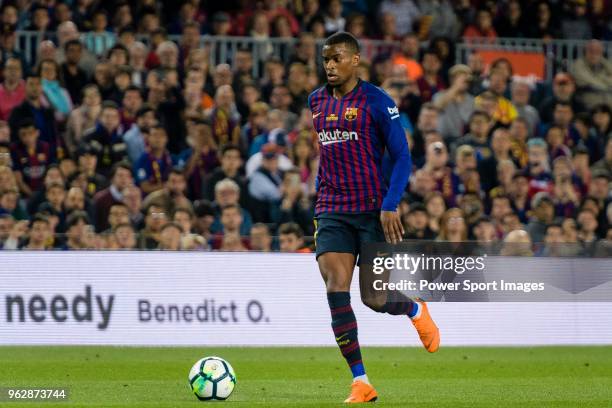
[427, 329]
[361, 392]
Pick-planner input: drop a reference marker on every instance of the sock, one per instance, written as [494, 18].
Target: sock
[344, 326]
[407, 307]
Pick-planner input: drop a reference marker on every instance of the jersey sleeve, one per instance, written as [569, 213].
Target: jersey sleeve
[387, 118]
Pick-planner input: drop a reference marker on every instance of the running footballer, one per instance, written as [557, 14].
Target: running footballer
[355, 122]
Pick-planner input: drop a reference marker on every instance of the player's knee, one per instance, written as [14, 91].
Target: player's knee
[375, 304]
[336, 282]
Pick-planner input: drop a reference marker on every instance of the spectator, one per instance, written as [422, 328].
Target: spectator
[406, 12]
[521, 93]
[124, 237]
[83, 118]
[409, 52]
[564, 89]
[593, 75]
[72, 75]
[544, 26]
[416, 223]
[33, 109]
[543, 214]
[204, 218]
[134, 138]
[225, 122]
[201, 158]
[427, 121]
[431, 81]
[12, 89]
[388, 27]
[438, 19]
[484, 231]
[68, 31]
[291, 238]
[153, 167]
[538, 166]
[513, 22]
[155, 219]
[602, 123]
[577, 25]
[231, 163]
[106, 138]
[452, 226]
[189, 241]
[170, 237]
[40, 234]
[501, 110]
[30, 157]
[587, 222]
[75, 201]
[227, 193]
[478, 137]
[138, 55]
[121, 177]
[76, 238]
[131, 102]
[605, 164]
[260, 238]
[9, 203]
[456, 105]
[231, 221]
[483, 27]
[87, 165]
[517, 243]
[99, 39]
[295, 205]
[264, 183]
[55, 96]
[172, 195]
[334, 21]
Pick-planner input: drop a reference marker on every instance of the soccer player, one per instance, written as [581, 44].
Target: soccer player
[355, 122]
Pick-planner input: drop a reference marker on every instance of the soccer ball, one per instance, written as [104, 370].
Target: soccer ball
[212, 379]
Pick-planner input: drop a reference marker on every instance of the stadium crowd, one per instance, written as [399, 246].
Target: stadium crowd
[146, 145]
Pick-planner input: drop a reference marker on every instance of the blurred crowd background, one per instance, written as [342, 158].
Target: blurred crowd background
[124, 125]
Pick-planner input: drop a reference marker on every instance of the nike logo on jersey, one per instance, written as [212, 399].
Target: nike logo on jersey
[316, 115]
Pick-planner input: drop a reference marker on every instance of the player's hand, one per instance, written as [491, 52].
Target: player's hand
[392, 226]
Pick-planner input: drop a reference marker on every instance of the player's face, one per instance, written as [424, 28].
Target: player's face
[340, 63]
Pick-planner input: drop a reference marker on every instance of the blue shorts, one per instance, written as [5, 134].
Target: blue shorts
[346, 232]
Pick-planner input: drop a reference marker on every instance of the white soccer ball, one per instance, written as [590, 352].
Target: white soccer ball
[212, 379]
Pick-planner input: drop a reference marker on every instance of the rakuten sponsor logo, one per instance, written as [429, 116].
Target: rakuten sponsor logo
[336, 136]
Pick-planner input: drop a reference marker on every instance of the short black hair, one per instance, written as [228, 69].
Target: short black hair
[290, 228]
[75, 216]
[342, 37]
[26, 122]
[120, 165]
[228, 148]
[144, 109]
[108, 104]
[72, 42]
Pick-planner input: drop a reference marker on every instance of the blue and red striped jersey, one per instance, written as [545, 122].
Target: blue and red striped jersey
[353, 133]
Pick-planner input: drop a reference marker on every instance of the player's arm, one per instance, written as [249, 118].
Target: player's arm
[397, 145]
[316, 180]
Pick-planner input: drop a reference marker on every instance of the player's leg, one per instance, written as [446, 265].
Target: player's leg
[335, 243]
[370, 230]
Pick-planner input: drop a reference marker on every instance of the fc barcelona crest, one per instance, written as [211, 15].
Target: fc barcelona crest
[350, 114]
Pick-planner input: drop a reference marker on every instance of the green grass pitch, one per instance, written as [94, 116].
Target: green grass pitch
[317, 377]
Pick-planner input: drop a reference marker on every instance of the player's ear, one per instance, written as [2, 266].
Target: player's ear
[356, 59]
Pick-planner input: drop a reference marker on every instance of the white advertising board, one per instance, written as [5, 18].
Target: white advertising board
[254, 299]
